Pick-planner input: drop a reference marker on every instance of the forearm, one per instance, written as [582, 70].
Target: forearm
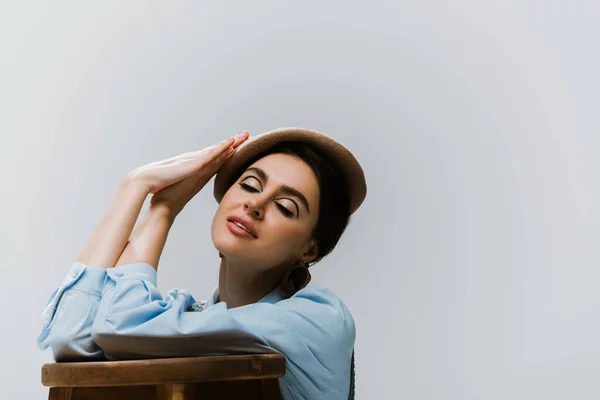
[110, 237]
[148, 240]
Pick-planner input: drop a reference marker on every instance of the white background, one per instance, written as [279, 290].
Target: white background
[472, 267]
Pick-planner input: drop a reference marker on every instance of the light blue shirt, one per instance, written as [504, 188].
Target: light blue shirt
[118, 313]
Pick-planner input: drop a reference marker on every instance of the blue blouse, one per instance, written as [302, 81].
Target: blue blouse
[118, 313]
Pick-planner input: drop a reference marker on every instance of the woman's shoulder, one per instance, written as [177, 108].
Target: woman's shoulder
[321, 342]
[321, 295]
[324, 304]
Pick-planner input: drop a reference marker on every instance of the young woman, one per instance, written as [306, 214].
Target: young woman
[285, 198]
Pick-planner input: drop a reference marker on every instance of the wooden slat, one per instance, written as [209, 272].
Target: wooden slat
[104, 393]
[267, 389]
[176, 391]
[164, 370]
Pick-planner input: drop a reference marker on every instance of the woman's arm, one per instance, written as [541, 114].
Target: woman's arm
[71, 309]
[148, 240]
[110, 237]
[173, 182]
[69, 314]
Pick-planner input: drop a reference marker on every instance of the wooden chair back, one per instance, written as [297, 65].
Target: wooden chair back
[253, 376]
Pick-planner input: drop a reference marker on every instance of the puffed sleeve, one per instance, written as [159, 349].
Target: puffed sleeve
[313, 329]
[68, 316]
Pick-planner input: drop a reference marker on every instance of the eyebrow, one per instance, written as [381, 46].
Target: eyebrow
[284, 188]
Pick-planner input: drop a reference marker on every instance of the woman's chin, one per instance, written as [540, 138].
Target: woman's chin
[228, 248]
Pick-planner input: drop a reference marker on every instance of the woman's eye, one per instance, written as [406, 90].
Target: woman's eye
[248, 188]
[284, 210]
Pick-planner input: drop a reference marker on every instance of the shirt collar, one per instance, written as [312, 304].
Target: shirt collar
[270, 298]
[212, 299]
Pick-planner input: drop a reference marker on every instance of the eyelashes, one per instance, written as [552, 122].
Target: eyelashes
[284, 210]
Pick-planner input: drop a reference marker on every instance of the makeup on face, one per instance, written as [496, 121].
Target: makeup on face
[239, 231]
[285, 189]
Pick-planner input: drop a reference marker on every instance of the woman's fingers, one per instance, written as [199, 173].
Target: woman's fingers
[241, 138]
[214, 149]
[228, 147]
[160, 174]
[218, 148]
[233, 142]
[215, 155]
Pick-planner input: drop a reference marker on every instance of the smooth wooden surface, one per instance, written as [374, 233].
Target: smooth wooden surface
[164, 371]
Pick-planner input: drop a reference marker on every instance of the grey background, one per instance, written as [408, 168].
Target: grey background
[472, 267]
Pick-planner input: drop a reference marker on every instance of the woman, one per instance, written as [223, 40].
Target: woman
[285, 198]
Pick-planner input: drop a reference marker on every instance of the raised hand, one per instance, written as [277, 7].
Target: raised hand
[204, 166]
[161, 174]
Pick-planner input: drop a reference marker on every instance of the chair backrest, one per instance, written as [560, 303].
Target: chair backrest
[164, 370]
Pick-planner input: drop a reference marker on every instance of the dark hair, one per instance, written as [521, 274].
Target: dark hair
[334, 202]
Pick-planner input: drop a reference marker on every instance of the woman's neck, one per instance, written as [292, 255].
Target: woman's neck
[241, 284]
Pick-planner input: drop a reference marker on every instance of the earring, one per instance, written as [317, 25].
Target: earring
[295, 279]
[220, 255]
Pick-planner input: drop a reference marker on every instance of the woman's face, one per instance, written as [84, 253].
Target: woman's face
[279, 196]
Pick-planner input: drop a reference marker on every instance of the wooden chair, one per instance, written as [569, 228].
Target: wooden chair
[252, 376]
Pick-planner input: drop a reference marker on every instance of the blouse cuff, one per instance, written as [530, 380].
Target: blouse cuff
[81, 277]
[141, 271]
[86, 278]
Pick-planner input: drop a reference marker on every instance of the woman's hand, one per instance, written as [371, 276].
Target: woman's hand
[160, 174]
[197, 169]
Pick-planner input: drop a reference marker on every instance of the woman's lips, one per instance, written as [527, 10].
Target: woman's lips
[236, 230]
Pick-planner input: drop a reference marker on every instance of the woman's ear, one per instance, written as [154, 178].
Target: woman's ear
[311, 251]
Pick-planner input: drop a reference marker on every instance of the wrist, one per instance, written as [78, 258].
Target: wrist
[148, 240]
[133, 183]
[162, 210]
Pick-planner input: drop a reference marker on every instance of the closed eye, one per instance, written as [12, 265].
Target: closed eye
[248, 188]
[284, 210]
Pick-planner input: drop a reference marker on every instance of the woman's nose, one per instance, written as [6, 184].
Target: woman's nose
[255, 207]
